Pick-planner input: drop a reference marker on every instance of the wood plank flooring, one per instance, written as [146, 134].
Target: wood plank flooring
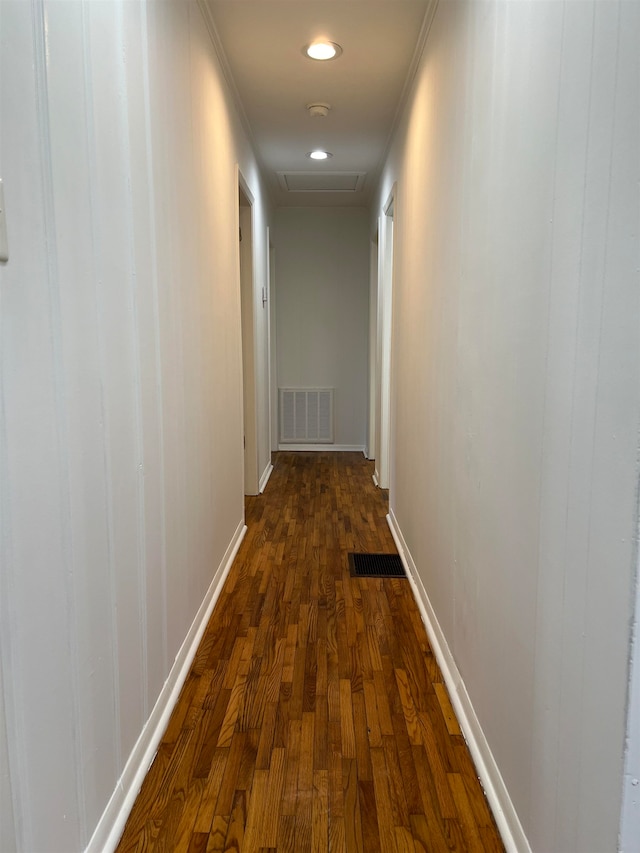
[315, 717]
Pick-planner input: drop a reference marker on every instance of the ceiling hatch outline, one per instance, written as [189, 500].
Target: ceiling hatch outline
[319, 182]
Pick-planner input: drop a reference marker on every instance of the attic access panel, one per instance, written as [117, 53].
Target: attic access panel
[318, 182]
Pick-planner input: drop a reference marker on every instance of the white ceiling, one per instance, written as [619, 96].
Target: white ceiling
[261, 43]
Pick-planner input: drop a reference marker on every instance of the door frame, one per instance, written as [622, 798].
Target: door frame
[273, 362]
[246, 285]
[382, 474]
[373, 346]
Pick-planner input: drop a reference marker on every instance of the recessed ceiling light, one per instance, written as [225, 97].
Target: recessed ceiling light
[319, 154]
[323, 50]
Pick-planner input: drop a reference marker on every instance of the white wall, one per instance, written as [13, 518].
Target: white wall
[322, 307]
[516, 384]
[120, 382]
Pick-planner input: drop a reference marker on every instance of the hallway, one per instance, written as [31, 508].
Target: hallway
[314, 716]
[497, 220]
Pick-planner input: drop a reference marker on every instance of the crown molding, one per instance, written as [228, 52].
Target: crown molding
[418, 53]
[221, 56]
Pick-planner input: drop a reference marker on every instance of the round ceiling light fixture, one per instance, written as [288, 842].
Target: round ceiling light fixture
[322, 50]
[319, 154]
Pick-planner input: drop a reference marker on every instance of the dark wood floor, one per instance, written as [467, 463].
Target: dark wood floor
[315, 717]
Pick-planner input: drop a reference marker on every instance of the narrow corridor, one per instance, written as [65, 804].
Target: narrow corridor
[314, 716]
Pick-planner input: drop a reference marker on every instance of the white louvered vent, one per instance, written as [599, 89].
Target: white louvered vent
[306, 415]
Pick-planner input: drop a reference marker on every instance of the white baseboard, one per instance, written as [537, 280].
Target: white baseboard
[629, 836]
[375, 480]
[265, 478]
[506, 817]
[111, 825]
[324, 448]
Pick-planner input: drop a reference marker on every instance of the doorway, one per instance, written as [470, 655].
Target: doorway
[247, 310]
[373, 349]
[383, 344]
[273, 378]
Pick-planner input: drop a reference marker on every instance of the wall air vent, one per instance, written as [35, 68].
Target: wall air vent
[321, 182]
[306, 415]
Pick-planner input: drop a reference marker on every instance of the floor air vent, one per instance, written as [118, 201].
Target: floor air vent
[376, 566]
